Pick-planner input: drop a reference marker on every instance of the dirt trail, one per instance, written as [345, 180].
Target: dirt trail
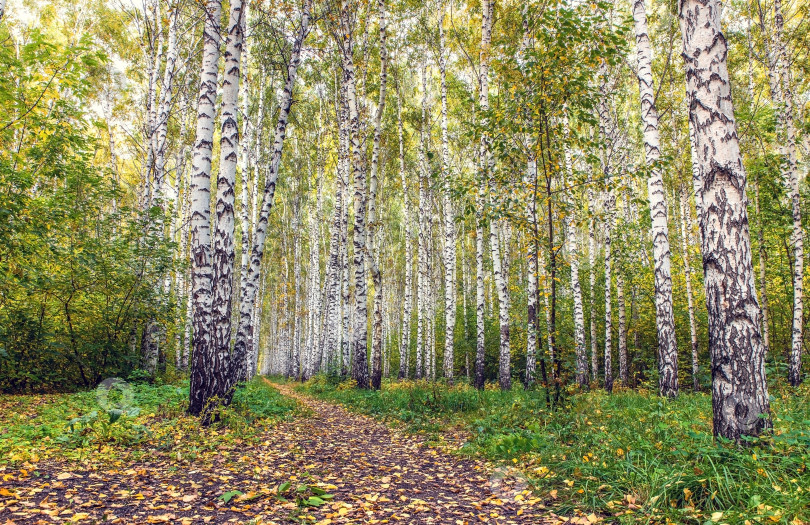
[375, 475]
[387, 474]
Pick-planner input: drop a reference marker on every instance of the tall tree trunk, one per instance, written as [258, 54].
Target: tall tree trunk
[423, 276]
[360, 332]
[404, 345]
[685, 243]
[207, 373]
[790, 173]
[247, 302]
[224, 246]
[313, 349]
[504, 371]
[449, 220]
[576, 289]
[592, 277]
[664, 312]
[376, 335]
[608, 293]
[740, 402]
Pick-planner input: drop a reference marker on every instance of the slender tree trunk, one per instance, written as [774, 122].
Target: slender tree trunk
[739, 392]
[449, 220]
[685, 230]
[223, 242]
[314, 278]
[608, 293]
[790, 173]
[247, 302]
[207, 373]
[376, 336]
[504, 371]
[664, 316]
[423, 248]
[592, 306]
[404, 345]
[623, 371]
[360, 333]
[763, 280]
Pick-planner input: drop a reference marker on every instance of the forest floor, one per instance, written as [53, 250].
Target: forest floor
[628, 457]
[312, 463]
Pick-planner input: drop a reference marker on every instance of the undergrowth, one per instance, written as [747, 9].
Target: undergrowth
[131, 422]
[629, 457]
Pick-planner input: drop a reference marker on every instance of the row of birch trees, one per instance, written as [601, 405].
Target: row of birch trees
[504, 192]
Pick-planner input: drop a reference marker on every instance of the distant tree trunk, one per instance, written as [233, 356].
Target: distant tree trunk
[422, 276]
[376, 274]
[314, 278]
[790, 173]
[531, 278]
[665, 317]
[608, 293]
[763, 280]
[623, 371]
[576, 289]
[206, 370]
[740, 402]
[404, 346]
[685, 236]
[449, 221]
[592, 277]
[247, 303]
[2, 9]
[479, 297]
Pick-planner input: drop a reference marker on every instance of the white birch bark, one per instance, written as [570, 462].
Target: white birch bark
[422, 278]
[592, 283]
[790, 174]
[404, 347]
[166, 100]
[223, 242]
[685, 243]
[205, 367]
[665, 316]
[449, 220]
[376, 337]
[740, 403]
[360, 330]
[248, 301]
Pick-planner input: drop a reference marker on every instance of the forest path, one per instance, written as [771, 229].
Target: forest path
[376, 473]
[373, 473]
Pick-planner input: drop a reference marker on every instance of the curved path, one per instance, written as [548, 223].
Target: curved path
[375, 475]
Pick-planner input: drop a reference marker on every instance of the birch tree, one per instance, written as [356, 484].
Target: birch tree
[664, 313]
[248, 301]
[740, 403]
[207, 372]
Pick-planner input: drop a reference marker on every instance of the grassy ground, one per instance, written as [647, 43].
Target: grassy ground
[630, 455]
[131, 422]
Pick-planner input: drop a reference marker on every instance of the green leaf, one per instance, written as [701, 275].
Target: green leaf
[228, 496]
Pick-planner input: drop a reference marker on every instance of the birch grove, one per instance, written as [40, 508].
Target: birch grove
[512, 195]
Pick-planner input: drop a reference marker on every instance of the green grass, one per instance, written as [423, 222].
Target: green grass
[631, 455]
[143, 421]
